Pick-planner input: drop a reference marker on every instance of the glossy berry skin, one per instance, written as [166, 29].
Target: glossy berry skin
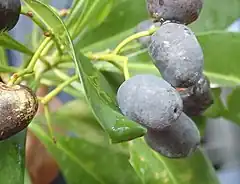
[9, 14]
[179, 141]
[177, 54]
[197, 98]
[144, 26]
[182, 11]
[150, 101]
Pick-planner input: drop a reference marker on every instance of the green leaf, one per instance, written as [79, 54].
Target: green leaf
[6, 69]
[233, 101]
[218, 108]
[114, 79]
[77, 9]
[91, 15]
[12, 159]
[47, 15]
[3, 57]
[201, 122]
[231, 112]
[83, 150]
[118, 21]
[213, 15]
[109, 43]
[8, 42]
[99, 93]
[221, 57]
[153, 168]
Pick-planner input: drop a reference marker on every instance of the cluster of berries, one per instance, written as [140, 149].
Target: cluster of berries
[163, 105]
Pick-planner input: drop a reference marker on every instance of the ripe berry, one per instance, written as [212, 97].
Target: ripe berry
[179, 141]
[183, 11]
[144, 26]
[9, 14]
[150, 101]
[18, 107]
[197, 98]
[177, 54]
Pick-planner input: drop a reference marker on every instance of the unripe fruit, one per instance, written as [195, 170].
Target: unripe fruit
[18, 107]
[9, 14]
[183, 11]
[144, 26]
[197, 98]
[150, 101]
[179, 141]
[177, 54]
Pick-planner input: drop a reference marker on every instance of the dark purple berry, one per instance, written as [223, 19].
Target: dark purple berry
[179, 141]
[9, 14]
[197, 98]
[177, 54]
[150, 101]
[183, 11]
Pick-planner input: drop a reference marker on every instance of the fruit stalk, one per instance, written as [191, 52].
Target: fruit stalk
[31, 64]
[57, 90]
[133, 37]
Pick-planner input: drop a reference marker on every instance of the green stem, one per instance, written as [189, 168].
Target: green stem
[68, 65]
[31, 64]
[25, 11]
[47, 48]
[49, 121]
[131, 48]
[69, 89]
[37, 54]
[111, 58]
[58, 89]
[59, 47]
[51, 44]
[46, 62]
[76, 85]
[63, 59]
[133, 37]
[125, 69]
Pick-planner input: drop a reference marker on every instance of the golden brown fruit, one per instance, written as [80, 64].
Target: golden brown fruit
[18, 107]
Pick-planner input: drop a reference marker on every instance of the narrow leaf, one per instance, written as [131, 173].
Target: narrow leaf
[153, 168]
[12, 159]
[7, 41]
